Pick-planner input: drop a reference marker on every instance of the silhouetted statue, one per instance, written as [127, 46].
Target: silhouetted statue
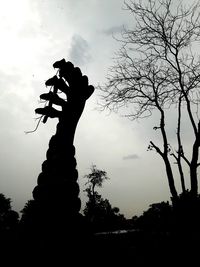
[58, 223]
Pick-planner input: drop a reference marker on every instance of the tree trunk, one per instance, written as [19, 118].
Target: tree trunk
[165, 156]
[170, 179]
[194, 163]
[193, 169]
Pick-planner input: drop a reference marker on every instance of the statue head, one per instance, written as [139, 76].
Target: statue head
[70, 81]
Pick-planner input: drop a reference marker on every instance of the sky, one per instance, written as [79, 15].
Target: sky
[35, 34]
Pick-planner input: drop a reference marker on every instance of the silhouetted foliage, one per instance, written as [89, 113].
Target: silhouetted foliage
[99, 211]
[9, 221]
[8, 217]
[183, 216]
[29, 212]
[159, 217]
[95, 178]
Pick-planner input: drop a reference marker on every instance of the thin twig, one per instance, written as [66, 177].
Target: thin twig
[40, 118]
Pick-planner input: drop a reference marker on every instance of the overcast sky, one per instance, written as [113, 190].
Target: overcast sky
[35, 34]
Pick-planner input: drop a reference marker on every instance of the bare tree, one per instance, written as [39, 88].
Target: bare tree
[157, 69]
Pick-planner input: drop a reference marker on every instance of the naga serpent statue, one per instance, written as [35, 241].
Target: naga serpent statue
[58, 223]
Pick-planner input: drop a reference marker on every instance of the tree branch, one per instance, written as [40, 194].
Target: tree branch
[156, 148]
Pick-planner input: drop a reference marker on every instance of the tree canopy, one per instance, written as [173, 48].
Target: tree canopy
[157, 69]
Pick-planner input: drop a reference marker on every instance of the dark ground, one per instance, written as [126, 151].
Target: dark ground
[150, 249]
[135, 248]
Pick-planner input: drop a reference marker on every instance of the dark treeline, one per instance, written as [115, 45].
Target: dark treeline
[162, 231]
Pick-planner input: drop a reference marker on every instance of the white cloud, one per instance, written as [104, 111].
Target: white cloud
[131, 156]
